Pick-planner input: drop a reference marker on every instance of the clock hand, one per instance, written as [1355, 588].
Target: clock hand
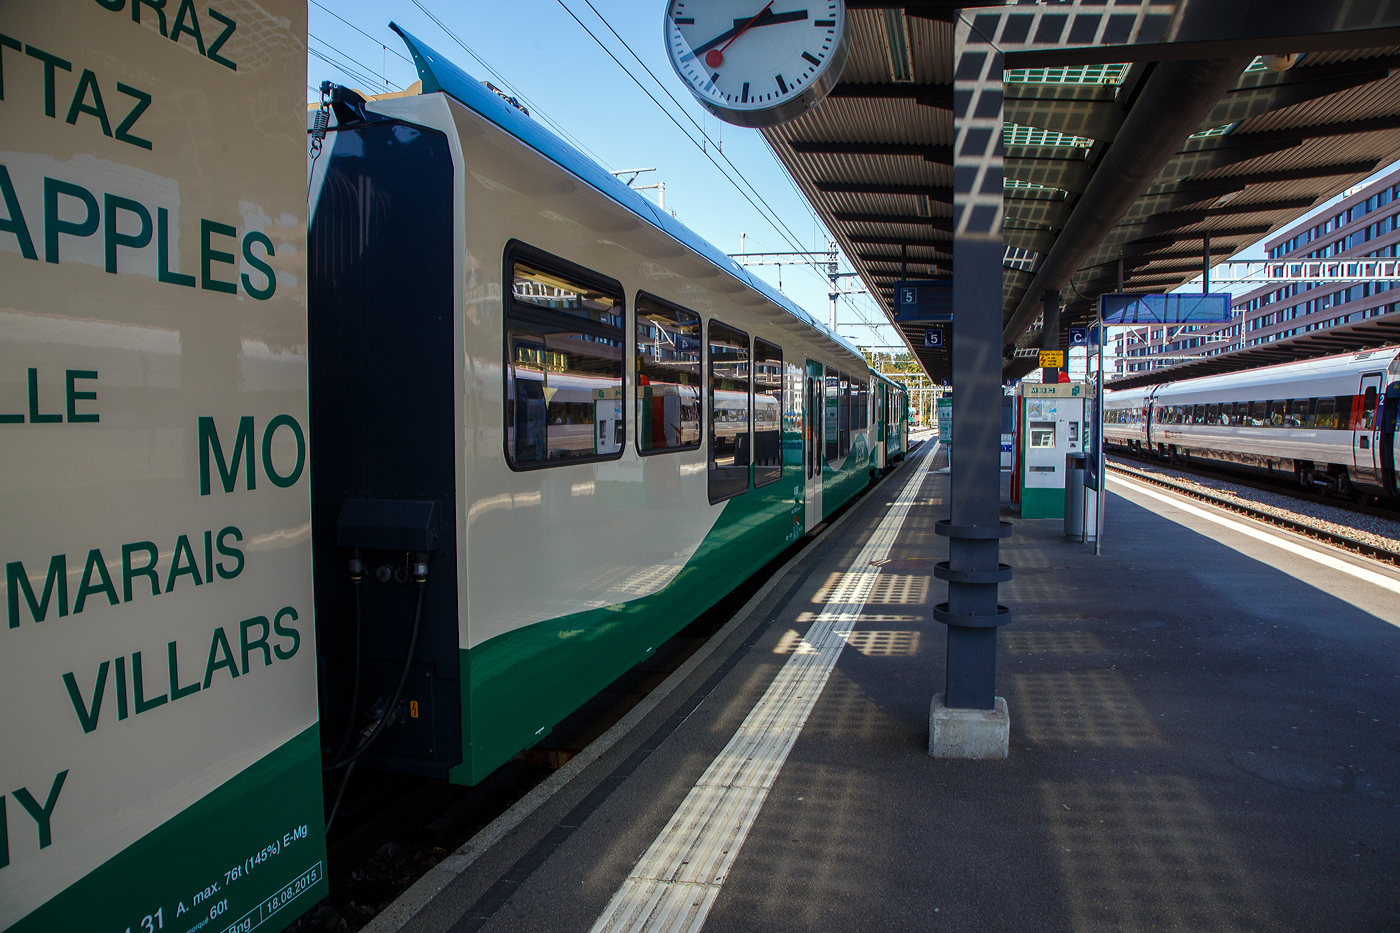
[766, 7]
[714, 56]
[771, 19]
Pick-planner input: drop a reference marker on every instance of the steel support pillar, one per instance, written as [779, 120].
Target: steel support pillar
[975, 529]
[1050, 331]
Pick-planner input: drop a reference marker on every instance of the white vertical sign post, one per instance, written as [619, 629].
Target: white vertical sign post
[160, 766]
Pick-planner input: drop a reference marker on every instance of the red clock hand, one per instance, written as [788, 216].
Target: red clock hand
[715, 57]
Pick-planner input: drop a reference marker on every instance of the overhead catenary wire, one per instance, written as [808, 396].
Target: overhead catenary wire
[371, 38]
[365, 74]
[774, 221]
[817, 266]
[508, 86]
[659, 83]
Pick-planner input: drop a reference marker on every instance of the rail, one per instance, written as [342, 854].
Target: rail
[1311, 531]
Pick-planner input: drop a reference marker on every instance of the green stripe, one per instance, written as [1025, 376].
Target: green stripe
[165, 869]
[518, 686]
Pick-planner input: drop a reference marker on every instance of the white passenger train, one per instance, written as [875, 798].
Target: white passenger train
[1329, 422]
[573, 421]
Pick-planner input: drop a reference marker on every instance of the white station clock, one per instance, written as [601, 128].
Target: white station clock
[756, 65]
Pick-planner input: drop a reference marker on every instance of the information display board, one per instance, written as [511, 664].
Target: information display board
[160, 766]
[1176, 308]
[923, 300]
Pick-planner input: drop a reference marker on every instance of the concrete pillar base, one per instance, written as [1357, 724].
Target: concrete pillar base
[968, 733]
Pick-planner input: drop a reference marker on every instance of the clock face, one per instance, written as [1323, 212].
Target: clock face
[757, 65]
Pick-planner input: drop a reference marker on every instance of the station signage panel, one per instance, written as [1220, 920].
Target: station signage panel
[159, 747]
[927, 301]
[1176, 308]
[1052, 359]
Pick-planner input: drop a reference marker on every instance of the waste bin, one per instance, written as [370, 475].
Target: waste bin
[1081, 503]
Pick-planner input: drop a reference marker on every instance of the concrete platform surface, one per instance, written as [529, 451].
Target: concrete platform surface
[1203, 737]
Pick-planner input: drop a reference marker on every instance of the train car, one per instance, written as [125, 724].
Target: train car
[891, 422]
[1125, 418]
[1329, 422]
[550, 426]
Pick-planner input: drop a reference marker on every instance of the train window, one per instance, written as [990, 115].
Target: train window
[1212, 414]
[1199, 417]
[767, 413]
[1343, 413]
[1368, 409]
[845, 415]
[668, 376]
[1326, 414]
[729, 411]
[1298, 413]
[833, 415]
[1259, 414]
[564, 349]
[1276, 411]
[863, 404]
[1177, 414]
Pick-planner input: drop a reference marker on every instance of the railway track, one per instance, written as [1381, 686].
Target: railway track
[1286, 487]
[1298, 527]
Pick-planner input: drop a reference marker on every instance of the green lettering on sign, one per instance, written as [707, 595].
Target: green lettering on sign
[42, 815]
[208, 255]
[242, 445]
[17, 581]
[53, 226]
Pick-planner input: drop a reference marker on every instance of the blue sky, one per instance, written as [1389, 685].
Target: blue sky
[536, 50]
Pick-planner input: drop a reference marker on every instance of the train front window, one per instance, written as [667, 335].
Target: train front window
[767, 413]
[729, 411]
[668, 377]
[564, 350]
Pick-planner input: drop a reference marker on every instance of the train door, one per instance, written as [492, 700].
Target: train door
[881, 453]
[1365, 433]
[812, 442]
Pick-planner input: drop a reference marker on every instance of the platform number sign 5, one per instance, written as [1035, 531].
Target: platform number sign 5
[933, 337]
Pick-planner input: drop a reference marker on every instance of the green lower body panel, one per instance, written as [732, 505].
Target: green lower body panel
[250, 855]
[517, 686]
[1042, 503]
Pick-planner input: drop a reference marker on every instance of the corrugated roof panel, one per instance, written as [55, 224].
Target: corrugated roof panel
[848, 119]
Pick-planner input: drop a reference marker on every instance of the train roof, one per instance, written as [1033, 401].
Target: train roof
[1384, 357]
[439, 74]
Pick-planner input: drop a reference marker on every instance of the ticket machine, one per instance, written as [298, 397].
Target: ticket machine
[1054, 419]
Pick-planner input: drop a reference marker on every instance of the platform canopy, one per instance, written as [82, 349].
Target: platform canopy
[875, 157]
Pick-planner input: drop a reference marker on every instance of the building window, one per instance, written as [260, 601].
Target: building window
[564, 350]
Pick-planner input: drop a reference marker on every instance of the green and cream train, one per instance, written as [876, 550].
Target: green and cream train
[550, 425]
